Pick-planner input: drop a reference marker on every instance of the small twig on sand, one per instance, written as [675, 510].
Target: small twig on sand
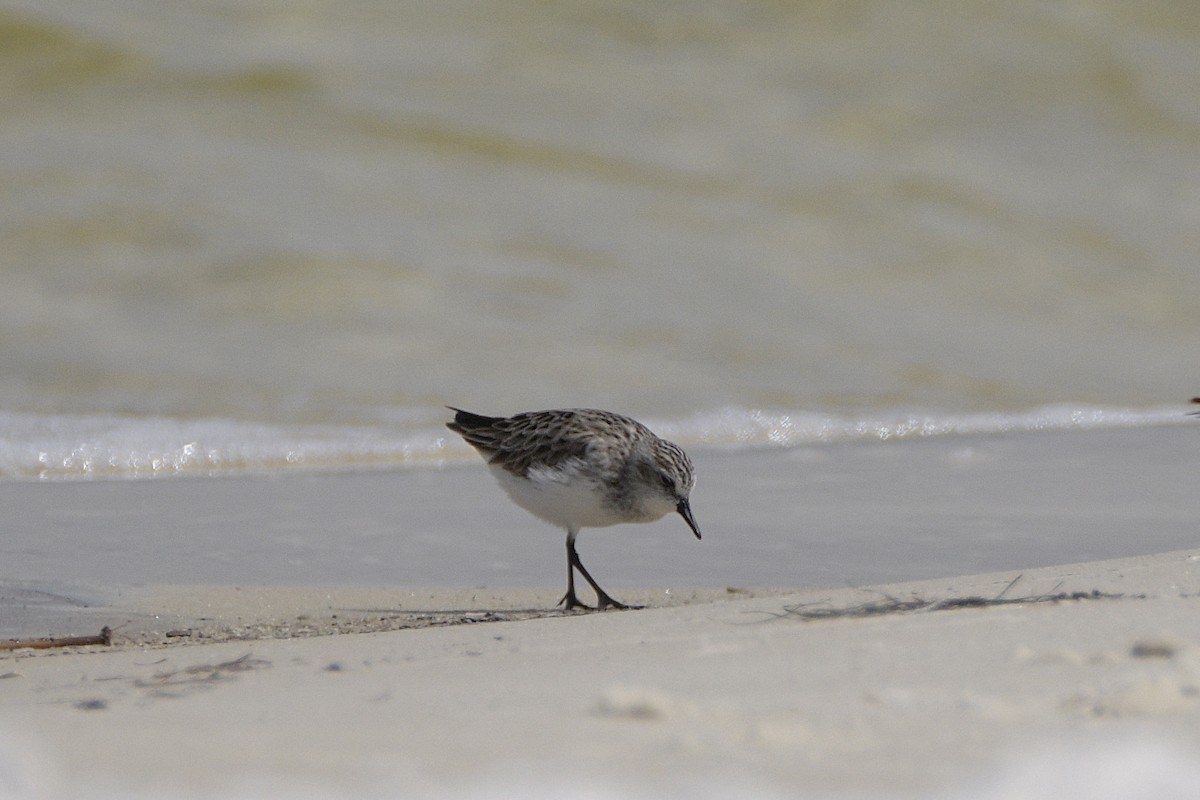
[1011, 584]
[105, 638]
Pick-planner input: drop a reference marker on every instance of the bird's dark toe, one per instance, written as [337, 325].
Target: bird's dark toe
[605, 601]
[570, 602]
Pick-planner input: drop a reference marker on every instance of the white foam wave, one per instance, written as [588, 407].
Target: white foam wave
[56, 447]
[738, 427]
[65, 446]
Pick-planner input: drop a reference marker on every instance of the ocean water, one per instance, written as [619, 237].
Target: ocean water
[266, 234]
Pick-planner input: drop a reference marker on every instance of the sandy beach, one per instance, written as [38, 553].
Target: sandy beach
[281, 662]
[1087, 682]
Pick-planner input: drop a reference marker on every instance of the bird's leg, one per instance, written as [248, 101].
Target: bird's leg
[569, 600]
[603, 599]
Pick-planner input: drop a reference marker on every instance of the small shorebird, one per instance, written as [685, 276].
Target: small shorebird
[580, 468]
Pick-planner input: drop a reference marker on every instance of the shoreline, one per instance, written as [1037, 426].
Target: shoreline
[152, 616]
[729, 691]
[833, 515]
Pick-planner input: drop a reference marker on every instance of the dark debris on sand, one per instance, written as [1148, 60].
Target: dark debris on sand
[895, 605]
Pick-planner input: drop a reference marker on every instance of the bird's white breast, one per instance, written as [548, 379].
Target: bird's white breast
[566, 495]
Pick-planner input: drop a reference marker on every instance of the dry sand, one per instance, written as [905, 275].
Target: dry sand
[698, 696]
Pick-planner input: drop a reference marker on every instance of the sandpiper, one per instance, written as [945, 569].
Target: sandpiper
[582, 468]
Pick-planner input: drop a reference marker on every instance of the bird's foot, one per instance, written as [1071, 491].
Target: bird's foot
[603, 601]
[569, 601]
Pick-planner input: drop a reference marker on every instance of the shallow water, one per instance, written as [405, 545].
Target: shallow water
[353, 214]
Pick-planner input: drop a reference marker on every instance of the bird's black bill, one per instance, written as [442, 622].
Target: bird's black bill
[685, 511]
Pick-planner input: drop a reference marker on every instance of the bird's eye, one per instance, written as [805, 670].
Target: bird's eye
[667, 483]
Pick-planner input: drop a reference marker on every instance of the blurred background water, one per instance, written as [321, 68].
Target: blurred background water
[308, 225]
